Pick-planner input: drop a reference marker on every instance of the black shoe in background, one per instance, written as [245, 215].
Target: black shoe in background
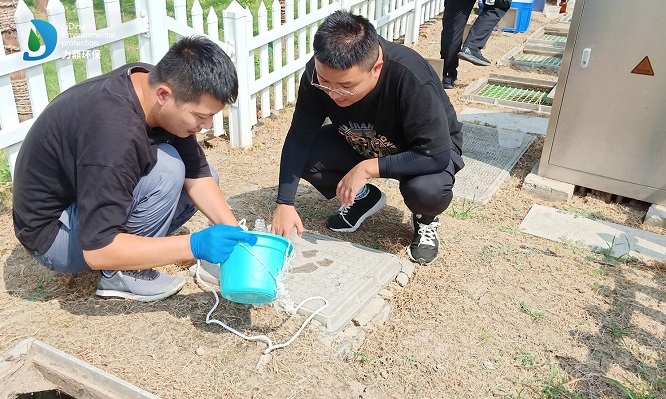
[448, 82]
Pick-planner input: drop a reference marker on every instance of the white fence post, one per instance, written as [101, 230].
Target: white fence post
[276, 10]
[145, 50]
[113, 18]
[180, 13]
[302, 49]
[213, 26]
[197, 17]
[8, 114]
[39, 99]
[291, 82]
[214, 32]
[262, 20]
[87, 24]
[64, 68]
[314, 6]
[240, 128]
[413, 23]
[157, 33]
[251, 75]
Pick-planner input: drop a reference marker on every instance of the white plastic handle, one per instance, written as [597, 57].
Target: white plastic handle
[584, 62]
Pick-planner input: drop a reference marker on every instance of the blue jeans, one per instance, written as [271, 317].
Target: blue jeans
[159, 207]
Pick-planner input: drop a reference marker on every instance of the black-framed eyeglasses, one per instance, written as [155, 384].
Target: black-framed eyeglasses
[342, 92]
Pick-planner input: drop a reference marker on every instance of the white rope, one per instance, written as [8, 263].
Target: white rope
[281, 290]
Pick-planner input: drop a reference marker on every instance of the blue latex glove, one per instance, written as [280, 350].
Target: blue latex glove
[214, 244]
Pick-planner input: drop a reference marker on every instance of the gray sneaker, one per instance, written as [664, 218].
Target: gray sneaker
[140, 285]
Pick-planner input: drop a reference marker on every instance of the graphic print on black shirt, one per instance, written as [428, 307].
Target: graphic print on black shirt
[366, 141]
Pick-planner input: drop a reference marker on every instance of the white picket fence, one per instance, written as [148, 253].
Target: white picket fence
[268, 64]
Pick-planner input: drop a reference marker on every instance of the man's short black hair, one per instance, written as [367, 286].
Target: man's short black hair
[344, 40]
[195, 66]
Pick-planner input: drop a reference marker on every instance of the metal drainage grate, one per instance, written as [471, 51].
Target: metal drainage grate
[512, 91]
[550, 36]
[534, 56]
[540, 60]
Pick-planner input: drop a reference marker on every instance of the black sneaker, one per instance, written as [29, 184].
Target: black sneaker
[448, 82]
[425, 243]
[473, 56]
[349, 218]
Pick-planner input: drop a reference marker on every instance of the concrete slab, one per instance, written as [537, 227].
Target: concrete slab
[547, 189]
[656, 216]
[63, 372]
[530, 124]
[347, 275]
[557, 225]
[487, 164]
[438, 65]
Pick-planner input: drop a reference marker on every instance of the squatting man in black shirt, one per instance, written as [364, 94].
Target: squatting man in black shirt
[390, 118]
[112, 167]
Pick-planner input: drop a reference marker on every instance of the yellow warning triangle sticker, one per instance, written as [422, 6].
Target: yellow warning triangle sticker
[644, 67]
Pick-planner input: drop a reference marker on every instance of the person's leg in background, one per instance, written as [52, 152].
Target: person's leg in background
[456, 15]
[329, 161]
[427, 197]
[480, 32]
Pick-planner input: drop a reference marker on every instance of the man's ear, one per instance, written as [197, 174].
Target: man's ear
[162, 93]
[377, 68]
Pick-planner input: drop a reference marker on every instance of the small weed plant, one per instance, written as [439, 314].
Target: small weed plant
[620, 332]
[535, 314]
[634, 390]
[615, 260]
[577, 212]
[555, 387]
[463, 212]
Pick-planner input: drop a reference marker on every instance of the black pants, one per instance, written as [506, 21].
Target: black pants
[331, 158]
[456, 14]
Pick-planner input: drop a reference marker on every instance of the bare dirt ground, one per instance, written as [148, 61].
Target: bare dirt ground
[499, 314]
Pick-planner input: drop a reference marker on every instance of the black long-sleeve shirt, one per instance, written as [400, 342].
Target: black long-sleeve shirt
[407, 121]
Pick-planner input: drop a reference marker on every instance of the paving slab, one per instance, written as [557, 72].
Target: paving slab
[556, 225]
[530, 124]
[347, 275]
[487, 164]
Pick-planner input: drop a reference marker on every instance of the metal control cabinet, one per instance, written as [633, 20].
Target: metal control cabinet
[607, 129]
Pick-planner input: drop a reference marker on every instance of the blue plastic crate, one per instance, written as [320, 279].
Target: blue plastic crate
[523, 14]
[524, 8]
